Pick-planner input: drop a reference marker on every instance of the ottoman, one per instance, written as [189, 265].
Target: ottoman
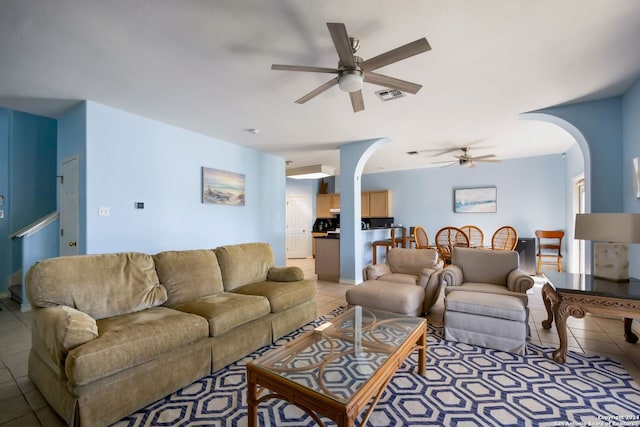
[394, 297]
[488, 320]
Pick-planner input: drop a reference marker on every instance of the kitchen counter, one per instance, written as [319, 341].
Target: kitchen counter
[328, 258]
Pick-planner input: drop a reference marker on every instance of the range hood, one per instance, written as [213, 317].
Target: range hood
[334, 210]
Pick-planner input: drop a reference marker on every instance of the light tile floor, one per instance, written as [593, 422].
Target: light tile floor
[21, 405]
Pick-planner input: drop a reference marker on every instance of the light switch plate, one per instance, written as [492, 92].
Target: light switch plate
[103, 211]
[1, 213]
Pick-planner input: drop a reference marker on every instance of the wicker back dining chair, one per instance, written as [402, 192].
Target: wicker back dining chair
[504, 239]
[475, 235]
[421, 237]
[447, 238]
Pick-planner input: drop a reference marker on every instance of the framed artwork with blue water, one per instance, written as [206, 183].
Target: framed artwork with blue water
[475, 200]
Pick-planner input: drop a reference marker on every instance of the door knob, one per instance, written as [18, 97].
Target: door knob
[73, 244]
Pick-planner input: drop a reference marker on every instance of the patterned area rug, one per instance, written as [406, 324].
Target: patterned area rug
[465, 386]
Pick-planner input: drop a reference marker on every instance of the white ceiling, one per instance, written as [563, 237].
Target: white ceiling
[205, 66]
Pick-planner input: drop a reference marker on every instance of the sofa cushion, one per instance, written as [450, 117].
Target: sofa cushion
[481, 265]
[487, 305]
[411, 261]
[188, 275]
[281, 295]
[100, 285]
[132, 339]
[244, 263]
[225, 311]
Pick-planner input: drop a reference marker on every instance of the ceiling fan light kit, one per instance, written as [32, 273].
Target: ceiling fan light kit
[350, 81]
[352, 72]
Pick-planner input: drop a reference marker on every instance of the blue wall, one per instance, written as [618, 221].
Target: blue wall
[524, 186]
[5, 229]
[127, 158]
[631, 149]
[28, 163]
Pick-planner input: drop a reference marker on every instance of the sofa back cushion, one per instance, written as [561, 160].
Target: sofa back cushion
[485, 266]
[411, 261]
[188, 275]
[100, 285]
[244, 263]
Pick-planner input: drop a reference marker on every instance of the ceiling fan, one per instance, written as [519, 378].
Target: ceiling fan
[467, 160]
[353, 71]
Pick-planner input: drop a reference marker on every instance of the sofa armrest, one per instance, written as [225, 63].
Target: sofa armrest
[452, 275]
[373, 271]
[519, 281]
[285, 274]
[62, 328]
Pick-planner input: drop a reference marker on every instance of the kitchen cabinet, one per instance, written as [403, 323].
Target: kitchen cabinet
[325, 202]
[376, 204]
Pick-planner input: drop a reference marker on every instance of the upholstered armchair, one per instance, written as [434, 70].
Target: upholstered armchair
[486, 300]
[481, 270]
[419, 267]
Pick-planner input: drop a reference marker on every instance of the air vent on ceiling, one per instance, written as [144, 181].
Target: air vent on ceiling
[389, 94]
[412, 153]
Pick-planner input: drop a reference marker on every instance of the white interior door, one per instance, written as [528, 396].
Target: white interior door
[298, 230]
[69, 207]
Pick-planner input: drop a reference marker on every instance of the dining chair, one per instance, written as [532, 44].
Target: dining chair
[393, 242]
[505, 238]
[549, 249]
[475, 235]
[447, 238]
[421, 237]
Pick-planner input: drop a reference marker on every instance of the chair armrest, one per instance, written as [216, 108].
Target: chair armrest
[426, 275]
[452, 275]
[519, 281]
[373, 271]
[285, 274]
[62, 328]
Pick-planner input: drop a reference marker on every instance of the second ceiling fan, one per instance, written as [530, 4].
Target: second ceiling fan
[467, 160]
[353, 71]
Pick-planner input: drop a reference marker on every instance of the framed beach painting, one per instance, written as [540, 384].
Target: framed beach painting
[222, 187]
[475, 200]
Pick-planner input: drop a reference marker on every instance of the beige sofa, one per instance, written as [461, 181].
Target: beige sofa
[113, 333]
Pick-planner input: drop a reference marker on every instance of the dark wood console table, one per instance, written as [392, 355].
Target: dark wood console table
[567, 294]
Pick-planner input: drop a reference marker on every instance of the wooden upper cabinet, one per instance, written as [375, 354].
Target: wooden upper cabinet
[364, 205]
[379, 204]
[325, 202]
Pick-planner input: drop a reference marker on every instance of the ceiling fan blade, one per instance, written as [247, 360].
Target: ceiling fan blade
[450, 164]
[397, 54]
[445, 161]
[356, 101]
[487, 160]
[303, 68]
[486, 156]
[317, 91]
[441, 153]
[391, 82]
[341, 42]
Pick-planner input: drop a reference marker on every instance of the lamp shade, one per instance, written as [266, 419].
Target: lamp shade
[608, 227]
[310, 172]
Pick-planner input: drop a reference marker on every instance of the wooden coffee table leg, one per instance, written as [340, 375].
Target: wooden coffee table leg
[422, 352]
[550, 298]
[252, 404]
[629, 336]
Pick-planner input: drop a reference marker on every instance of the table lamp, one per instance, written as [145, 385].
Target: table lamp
[611, 233]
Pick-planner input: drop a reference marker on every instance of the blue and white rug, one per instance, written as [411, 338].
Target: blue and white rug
[464, 386]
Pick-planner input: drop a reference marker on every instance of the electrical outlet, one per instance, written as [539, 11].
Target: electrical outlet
[103, 211]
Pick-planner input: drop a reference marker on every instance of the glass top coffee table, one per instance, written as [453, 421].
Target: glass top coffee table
[340, 367]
